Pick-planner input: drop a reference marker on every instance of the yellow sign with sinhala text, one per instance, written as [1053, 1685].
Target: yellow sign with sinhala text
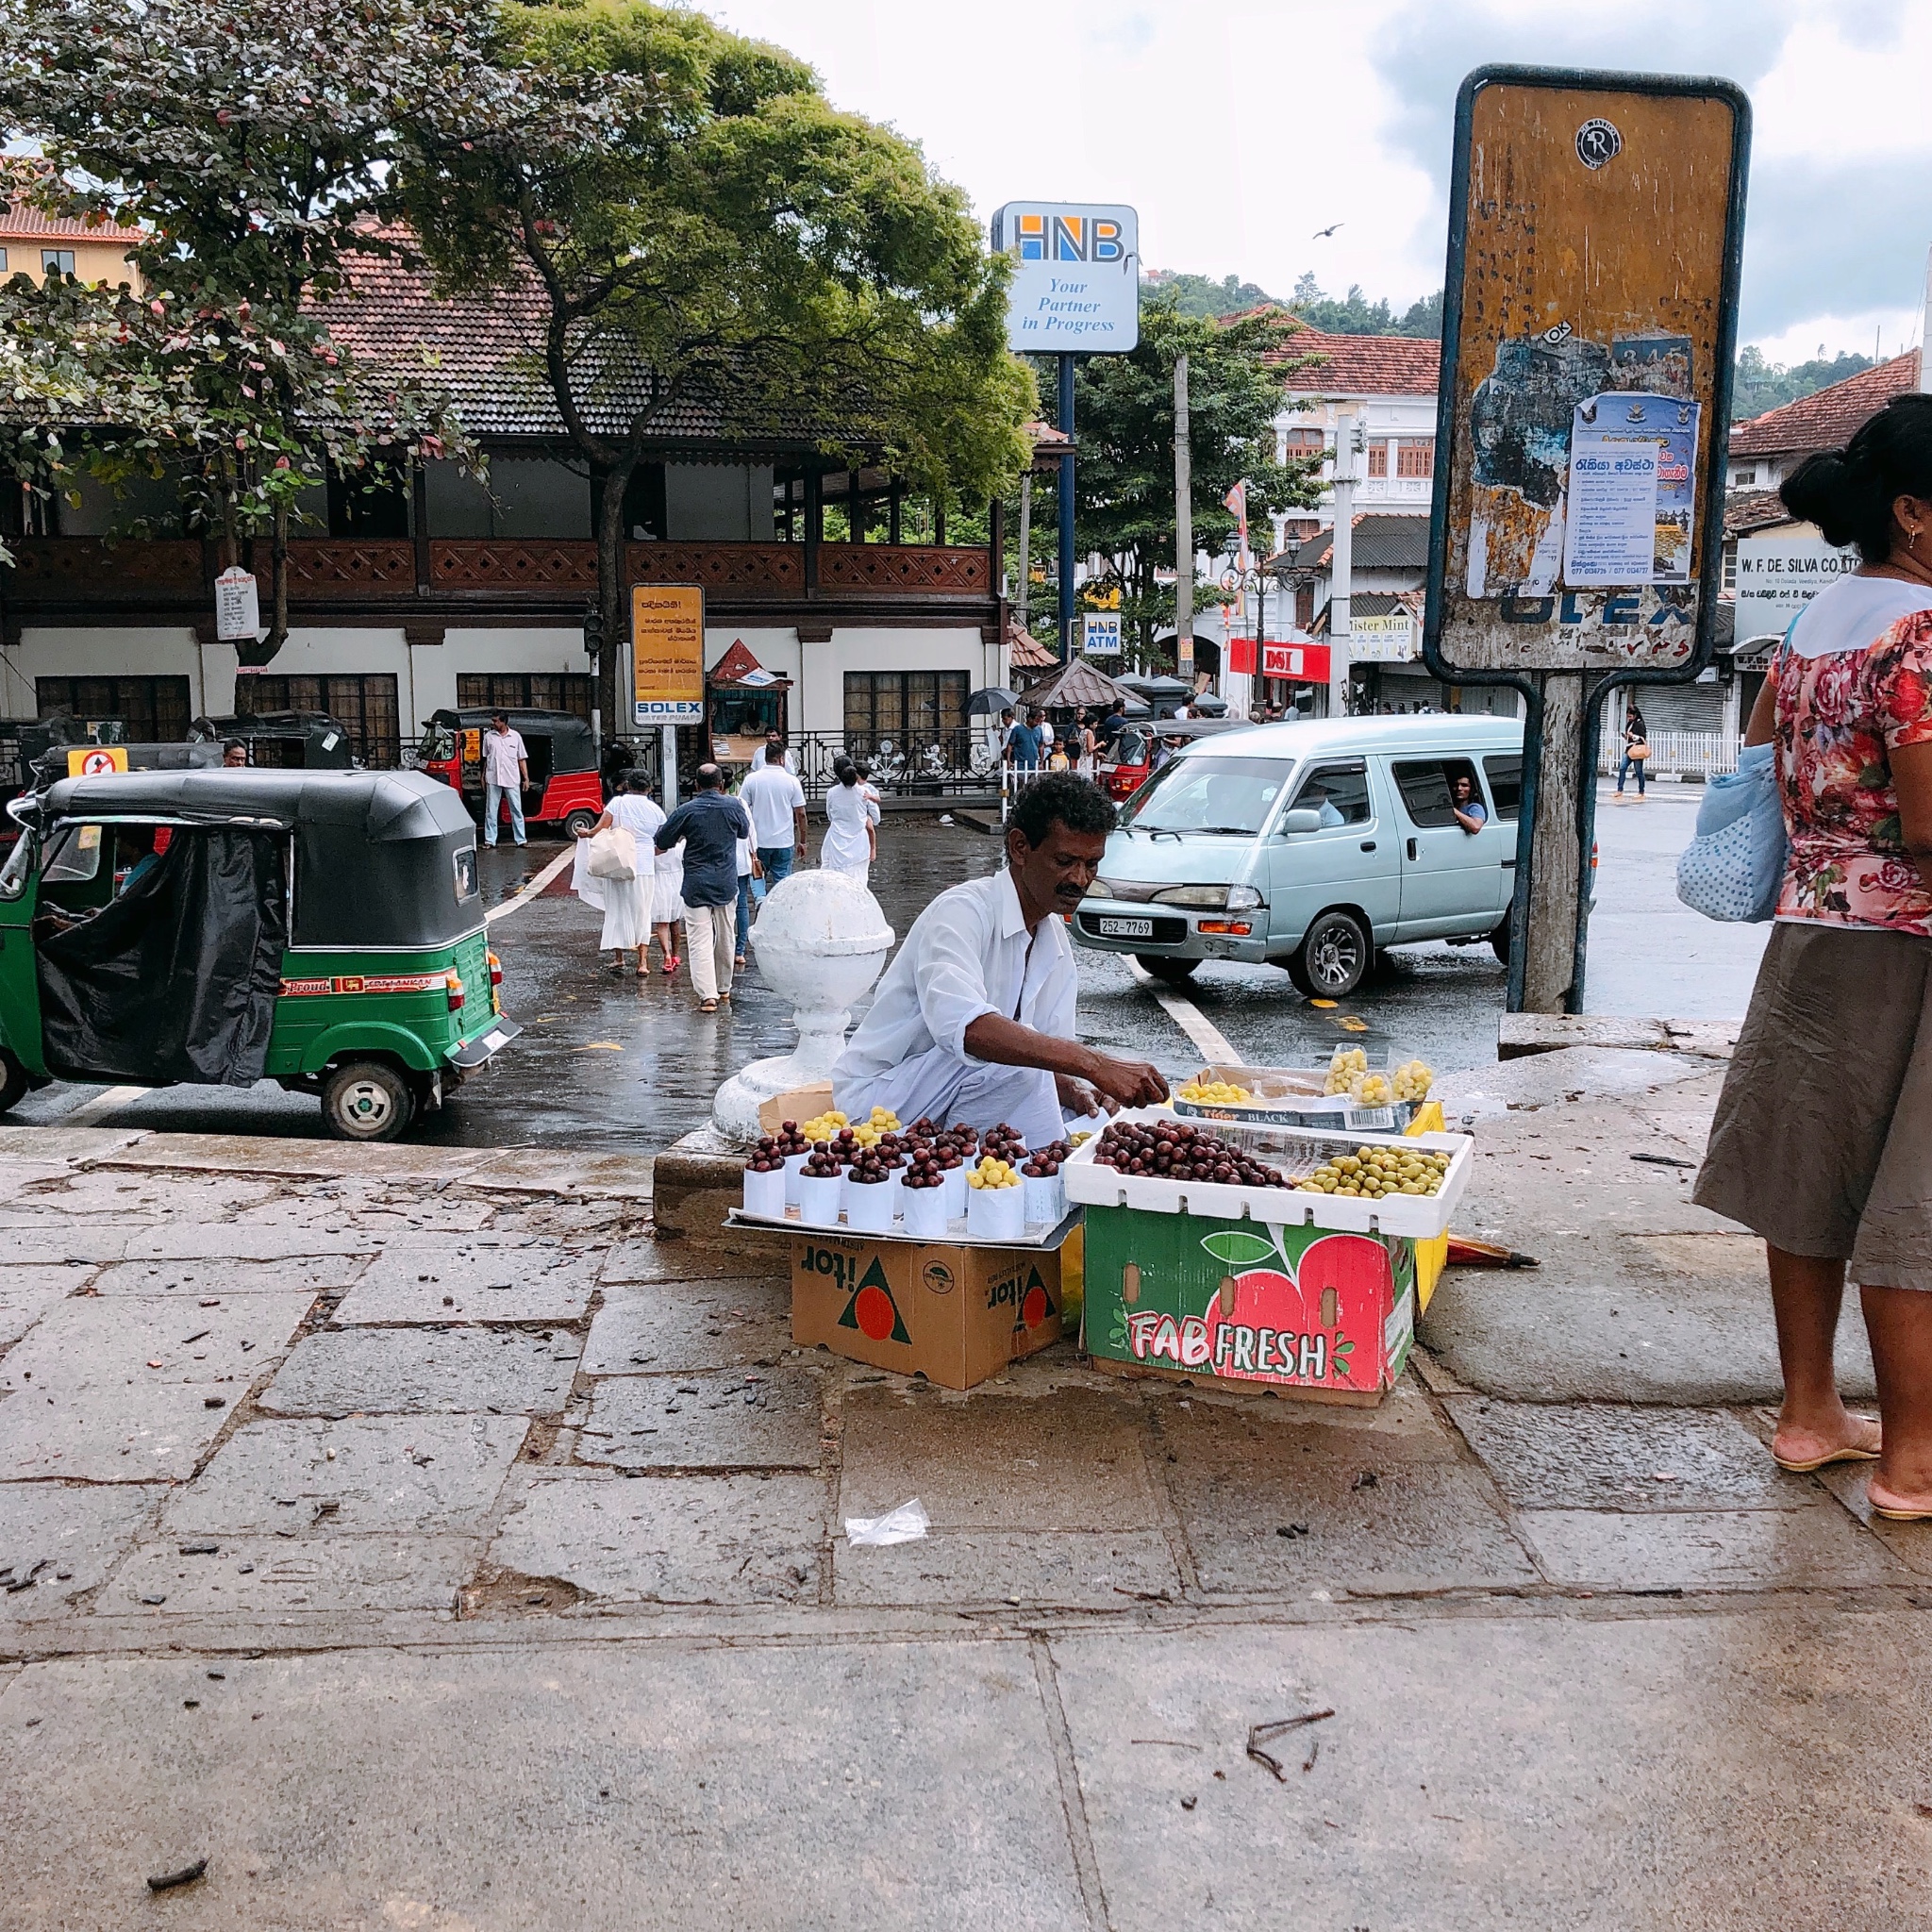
[666, 646]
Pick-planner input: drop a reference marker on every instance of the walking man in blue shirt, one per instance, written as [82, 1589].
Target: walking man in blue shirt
[708, 825]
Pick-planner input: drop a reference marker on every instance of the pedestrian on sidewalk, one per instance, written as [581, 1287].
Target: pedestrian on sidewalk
[748, 870]
[1636, 751]
[628, 903]
[776, 801]
[775, 740]
[667, 904]
[1823, 1139]
[505, 772]
[1023, 744]
[1088, 745]
[851, 841]
[709, 826]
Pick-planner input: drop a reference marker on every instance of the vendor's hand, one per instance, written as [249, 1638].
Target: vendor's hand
[1076, 1097]
[1128, 1083]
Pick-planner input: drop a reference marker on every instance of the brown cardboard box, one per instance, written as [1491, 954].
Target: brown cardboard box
[800, 1103]
[955, 1315]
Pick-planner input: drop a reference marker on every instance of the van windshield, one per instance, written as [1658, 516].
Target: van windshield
[1206, 793]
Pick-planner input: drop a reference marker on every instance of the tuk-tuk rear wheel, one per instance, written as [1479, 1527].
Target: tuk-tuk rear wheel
[580, 824]
[13, 1082]
[366, 1100]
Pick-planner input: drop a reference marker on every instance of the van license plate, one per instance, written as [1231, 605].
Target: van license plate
[1125, 929]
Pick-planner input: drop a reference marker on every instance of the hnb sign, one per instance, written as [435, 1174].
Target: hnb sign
[1077, 276]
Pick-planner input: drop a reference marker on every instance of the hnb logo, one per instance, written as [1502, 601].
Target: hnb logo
[1043, 237]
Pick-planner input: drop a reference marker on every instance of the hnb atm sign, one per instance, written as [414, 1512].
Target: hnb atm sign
[1077, 276]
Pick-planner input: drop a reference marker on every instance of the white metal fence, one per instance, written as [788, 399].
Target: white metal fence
[1705, 754]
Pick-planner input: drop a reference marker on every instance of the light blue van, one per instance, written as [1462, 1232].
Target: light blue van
[1312, 845]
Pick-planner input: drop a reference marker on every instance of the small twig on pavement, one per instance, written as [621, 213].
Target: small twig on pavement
[1266, 1734]
[186, 1875]
[1662, 1160]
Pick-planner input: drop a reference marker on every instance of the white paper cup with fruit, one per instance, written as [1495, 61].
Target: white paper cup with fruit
[869, 1203]
[995, 1202]
[925, 1211]
[820, 1186]
[764, 1192]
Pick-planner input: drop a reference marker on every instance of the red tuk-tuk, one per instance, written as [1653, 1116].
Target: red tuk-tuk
[1125, 766]
[564, 788]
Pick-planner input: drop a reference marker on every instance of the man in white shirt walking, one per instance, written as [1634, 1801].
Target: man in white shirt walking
[505, 772]
[776, 801]
[974, 1020]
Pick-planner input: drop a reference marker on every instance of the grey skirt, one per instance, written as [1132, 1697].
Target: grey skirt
[1823, 1140]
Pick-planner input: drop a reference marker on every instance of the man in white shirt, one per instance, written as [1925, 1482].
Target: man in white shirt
[974, 1020]
[776, 801]
[505, 772]
[775, 741]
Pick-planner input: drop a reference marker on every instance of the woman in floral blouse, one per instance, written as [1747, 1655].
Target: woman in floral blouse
[1823, 1142]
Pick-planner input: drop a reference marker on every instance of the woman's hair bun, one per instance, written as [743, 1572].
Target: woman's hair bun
[1825, 490]
[1849, 492]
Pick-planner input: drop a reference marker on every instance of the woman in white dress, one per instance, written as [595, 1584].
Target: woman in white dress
[627, 904]
[667, 909]
[850, 842]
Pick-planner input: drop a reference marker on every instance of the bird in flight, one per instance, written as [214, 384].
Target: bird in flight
[1323, 234]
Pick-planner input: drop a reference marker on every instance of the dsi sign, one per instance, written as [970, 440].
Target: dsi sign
[1077, 276]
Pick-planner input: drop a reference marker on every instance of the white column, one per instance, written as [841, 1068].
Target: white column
[1348, 470]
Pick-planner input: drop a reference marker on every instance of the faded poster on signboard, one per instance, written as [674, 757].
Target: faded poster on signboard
[1627, 520]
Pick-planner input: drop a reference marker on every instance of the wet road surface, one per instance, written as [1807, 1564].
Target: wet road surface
[610, 1061]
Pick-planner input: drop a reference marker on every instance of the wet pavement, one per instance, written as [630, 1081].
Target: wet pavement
[421, 1539]
[610, 1062]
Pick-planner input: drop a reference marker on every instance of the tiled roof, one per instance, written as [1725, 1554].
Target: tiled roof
[1024, 652]
[1380, 542]
[20, 223]
[1755, 510]
[1825, 418]
[485, 353]
[1361, 365]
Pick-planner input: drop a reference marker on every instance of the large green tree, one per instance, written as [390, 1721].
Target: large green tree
[700, 224]
[1125, 429]
[245, 152]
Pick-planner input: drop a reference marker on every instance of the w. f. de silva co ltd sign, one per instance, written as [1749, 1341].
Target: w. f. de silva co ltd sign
[1077, 276]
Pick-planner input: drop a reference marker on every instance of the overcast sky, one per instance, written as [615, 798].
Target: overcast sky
[1238, 127]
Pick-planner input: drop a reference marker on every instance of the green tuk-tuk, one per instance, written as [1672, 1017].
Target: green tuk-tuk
[322, 929]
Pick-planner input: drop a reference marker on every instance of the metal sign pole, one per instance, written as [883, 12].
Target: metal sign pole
[1590, 315]
[1066, 510]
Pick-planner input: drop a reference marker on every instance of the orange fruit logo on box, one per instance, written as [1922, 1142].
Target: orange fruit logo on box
[872, 1309]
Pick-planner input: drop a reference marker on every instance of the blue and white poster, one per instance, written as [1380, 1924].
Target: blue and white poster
[1628, 514]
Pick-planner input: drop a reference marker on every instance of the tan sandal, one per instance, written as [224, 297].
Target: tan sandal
[1898, 1509]
[1845, 1451]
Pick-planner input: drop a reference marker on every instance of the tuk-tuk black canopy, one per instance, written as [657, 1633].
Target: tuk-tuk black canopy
[324, 741]
[572, 746]
[375, 853]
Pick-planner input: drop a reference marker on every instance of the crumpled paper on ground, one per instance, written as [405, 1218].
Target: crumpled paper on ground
[905, 1525]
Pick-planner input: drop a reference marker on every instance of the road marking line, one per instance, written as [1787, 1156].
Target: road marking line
[110, 1100]
[1190, 1020]
[530, 891]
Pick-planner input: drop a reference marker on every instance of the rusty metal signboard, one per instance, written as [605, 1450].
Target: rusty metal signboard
[1595, 228]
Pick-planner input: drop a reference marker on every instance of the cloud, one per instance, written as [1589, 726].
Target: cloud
[1820, 227]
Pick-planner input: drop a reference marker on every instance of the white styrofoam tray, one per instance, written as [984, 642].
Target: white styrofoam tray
[1419, 1216]
[1038, 1234]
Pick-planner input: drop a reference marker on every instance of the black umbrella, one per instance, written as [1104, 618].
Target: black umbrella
[988, 703]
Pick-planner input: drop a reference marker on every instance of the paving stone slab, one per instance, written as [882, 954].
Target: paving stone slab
[474, 1281]
[1709, 1549]
[1593, 1455]
[426, 1372]
[1099, 1570]
[309, 1274]
[269, 1575]
[394, 1160]
[680, 1788]
[57, 1245]
[18, 1173]
[653, 1328]
[135, 1195]
[86, 1405]
[370, 1211]
[1070, 1460]
[681, 1540]
[79, 1531]
[73, 1145]
[227, 1240]
[1362, 1513]
[650, 1259]
[27, 1290]
[703, 1421]
[1589, 1775]
[431, 1475]
[608, 1222]
[558, 1171]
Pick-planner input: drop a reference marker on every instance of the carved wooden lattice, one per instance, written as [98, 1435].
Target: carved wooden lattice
[749, 569]
[339, 568]
[91, 567]
[903, 567]
[474, 563]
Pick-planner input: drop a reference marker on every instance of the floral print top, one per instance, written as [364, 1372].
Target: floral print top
[1839, 716]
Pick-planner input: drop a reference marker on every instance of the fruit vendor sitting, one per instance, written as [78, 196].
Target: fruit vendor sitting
[974, 1018]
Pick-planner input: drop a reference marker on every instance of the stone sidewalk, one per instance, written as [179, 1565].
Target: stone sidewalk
[416, 1535]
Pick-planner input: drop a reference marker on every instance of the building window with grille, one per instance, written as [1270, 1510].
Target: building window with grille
[1731, 563]
[1378, 459]
[909, 710]
[528, 691]
[362, 703]
[56, 262]
[1416, 460]
[152, 710]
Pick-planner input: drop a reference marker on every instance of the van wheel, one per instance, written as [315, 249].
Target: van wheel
[1332, 959]
[581, 823]
[366, 1100]
[13, 1082]
[1170, 971]
[1499, 939]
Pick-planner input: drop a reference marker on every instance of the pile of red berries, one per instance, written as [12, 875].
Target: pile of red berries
[1002, 1142]
[821, 1164]
[1045, 1162]
[768, 1156]
[925, 1168]
[1175, 1151]
[869, 1169]
[790, 1140]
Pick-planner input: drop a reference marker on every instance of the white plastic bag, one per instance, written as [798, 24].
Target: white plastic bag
[1734, 868]
[905, 1525]
[613, 854]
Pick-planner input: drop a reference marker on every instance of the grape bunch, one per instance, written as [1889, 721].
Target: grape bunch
[1175, 1150]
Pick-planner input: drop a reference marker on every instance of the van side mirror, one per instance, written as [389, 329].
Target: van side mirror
[1303, 819]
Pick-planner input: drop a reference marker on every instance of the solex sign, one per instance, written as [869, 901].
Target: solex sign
[1077, 276]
